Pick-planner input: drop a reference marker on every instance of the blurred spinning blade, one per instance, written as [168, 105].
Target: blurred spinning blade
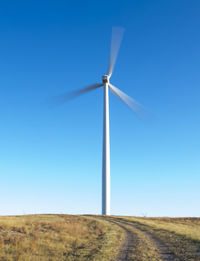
[65, 97]
[117, 35]
[135, 106]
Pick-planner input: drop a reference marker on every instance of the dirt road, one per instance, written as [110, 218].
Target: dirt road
[140, 245]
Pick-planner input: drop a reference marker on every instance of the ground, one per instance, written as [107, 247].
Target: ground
[98, 238]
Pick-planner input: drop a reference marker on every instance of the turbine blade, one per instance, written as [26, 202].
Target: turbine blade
[117, 35]
[65, 97]
[134, 105]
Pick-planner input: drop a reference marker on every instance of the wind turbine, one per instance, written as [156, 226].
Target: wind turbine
[117, 35]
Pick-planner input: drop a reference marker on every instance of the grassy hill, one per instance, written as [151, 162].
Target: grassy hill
[57, 237]
[70, 237]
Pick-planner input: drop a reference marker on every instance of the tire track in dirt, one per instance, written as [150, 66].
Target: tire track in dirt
[127, 247]
[165, 253]
[126, 250]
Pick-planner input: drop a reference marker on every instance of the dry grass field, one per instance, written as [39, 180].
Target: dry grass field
[57, 237]
[180, 236]
[73, 238]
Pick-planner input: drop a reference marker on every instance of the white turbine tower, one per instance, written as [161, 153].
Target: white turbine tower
[117, 34]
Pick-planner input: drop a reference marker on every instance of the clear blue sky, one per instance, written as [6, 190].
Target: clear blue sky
[50, 160]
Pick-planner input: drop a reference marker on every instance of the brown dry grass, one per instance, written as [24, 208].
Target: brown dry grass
[68, 237]
[180, 235]
[188, 227]
[57, 237]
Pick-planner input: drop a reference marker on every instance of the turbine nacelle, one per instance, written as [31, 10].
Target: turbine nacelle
[105, 79]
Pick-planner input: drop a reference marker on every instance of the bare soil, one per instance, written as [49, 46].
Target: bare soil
[127, 249]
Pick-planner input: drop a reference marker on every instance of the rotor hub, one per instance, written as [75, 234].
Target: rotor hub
[105, 78]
